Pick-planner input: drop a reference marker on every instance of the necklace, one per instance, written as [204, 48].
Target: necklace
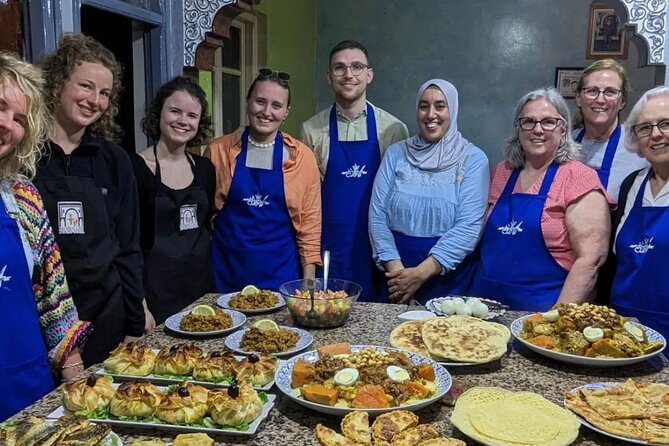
[261, 145]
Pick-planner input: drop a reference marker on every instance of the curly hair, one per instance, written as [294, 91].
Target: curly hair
[151, 120]
[568, 148]
[601, 65]
[73, 50]
[20, 163]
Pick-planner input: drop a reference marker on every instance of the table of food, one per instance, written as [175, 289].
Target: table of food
[308, 365]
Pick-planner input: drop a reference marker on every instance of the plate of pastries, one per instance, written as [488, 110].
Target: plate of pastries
[175, 363]
[235, 410]
[192, 439]
[66, 430]
[251, 300]
[204, 320]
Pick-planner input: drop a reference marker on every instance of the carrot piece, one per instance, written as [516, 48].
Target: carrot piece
[542, 341]
[426, 371]
[417, 388]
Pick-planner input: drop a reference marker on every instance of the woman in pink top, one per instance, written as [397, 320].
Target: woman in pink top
[548, 225]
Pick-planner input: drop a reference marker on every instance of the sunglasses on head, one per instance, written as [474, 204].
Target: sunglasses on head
[265, 73]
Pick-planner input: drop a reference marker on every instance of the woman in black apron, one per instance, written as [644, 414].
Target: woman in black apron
[90, 194]
[176, 195]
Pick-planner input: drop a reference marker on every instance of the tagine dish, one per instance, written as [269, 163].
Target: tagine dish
[252, 300]
[68, 430]
[340, 378]
[396, 428]
[176, 363]
[466, 306]
[453, 340]
[282, 341]
[204, 320]
[236, 410]
[634, 412]
[588, 334]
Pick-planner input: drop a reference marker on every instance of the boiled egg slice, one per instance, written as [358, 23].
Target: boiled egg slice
[346, 377]
[634, 330]
[397, 373]
[551, 315]
[593, 334]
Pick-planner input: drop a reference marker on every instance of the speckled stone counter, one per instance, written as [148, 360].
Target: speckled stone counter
[291, 424]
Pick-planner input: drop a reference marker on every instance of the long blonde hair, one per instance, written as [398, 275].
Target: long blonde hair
[21, 162]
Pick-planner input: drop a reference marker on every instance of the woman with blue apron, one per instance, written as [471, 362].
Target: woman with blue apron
[346, 191]
[604, 171]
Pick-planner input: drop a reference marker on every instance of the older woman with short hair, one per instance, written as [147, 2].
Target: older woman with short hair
[641, 223]
[548, 225]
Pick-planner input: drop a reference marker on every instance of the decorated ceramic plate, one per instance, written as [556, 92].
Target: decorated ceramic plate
[233, 342]
[284, 377]
[653, 336]
[495, 309]
[599, 386]
[174, 323]
[224, 301]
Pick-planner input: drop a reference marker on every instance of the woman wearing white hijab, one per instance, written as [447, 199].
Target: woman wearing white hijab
[428, 201]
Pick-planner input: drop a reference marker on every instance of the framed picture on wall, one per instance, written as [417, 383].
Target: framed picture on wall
[566, 80]
[606, 33]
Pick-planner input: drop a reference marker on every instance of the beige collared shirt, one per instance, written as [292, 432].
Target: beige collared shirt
[314, 132]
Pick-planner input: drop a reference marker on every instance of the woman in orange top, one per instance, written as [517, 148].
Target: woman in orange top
[268, 227]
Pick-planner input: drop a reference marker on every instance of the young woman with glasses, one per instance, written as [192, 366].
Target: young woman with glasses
[268, 226]
[547, 227]
[641, 221]
[602, 93]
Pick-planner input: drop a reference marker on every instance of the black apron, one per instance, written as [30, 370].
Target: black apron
[177, 268]
[78, 214]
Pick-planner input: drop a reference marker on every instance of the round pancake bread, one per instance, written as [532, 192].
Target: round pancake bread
[407, 336]
[465, 338]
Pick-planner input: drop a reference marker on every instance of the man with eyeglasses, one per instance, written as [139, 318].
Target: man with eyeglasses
[349, 140]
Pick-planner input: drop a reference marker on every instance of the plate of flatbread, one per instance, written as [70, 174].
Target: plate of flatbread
[636, 412]
[453, 340]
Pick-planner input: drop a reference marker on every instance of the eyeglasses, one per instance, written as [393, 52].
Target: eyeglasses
[547, 124]
[610, 94]
[339, 69]
[646, 128]
[267, 73]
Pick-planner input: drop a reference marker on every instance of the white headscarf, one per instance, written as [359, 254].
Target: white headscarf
[451, 148]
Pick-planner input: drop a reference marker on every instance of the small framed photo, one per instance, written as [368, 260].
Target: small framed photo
[566, 80]
[606, 33]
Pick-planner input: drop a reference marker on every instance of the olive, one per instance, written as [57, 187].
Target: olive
[253, 358]
[90, 382]
[233, 391]
[183, 391]
[215, 355]
[174, 348]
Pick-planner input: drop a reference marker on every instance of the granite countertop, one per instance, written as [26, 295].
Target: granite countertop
[291, 424]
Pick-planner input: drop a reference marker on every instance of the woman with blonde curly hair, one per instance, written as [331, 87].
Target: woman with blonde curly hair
[35, 303]
[90, 193]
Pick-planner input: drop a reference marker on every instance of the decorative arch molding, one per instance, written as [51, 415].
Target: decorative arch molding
[650, 19]
[206, 26]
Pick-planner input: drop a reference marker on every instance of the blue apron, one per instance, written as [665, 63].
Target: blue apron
[641, 285]
[254, 240]
[516, 267]
[24, 366]
[604, 170]
[346, 192]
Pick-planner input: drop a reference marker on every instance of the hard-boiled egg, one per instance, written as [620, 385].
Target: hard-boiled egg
[397, 373]
[551, 316]
[473, 301]
[479, 309]
[463, 309]
[458, 300]
[346, 377]
[634, 330]
[593, 334]
[448, 307]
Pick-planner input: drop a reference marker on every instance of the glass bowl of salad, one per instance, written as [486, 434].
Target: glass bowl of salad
[331, 306]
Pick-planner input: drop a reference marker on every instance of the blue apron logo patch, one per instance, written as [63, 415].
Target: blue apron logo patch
[355, 171]
[511, 228]
[645, 245]
[188, 217]
[257, 200]
[70, 217]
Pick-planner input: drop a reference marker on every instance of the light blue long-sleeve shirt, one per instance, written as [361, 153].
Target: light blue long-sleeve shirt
[450, 205]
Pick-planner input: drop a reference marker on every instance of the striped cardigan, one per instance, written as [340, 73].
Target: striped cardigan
[61, 328]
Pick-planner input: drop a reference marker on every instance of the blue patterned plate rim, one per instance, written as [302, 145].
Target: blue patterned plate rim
[234, 340]
[173, 323]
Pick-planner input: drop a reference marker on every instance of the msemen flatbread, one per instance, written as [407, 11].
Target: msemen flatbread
[465, 338]
[407, 336]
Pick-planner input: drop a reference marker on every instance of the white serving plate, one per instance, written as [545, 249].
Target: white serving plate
[234, 341]
[517, 328]
[599, 386]
[253, 426]
[495, 309]
[416, 315]
[284, 372]
[224, 301]
[174, 322]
